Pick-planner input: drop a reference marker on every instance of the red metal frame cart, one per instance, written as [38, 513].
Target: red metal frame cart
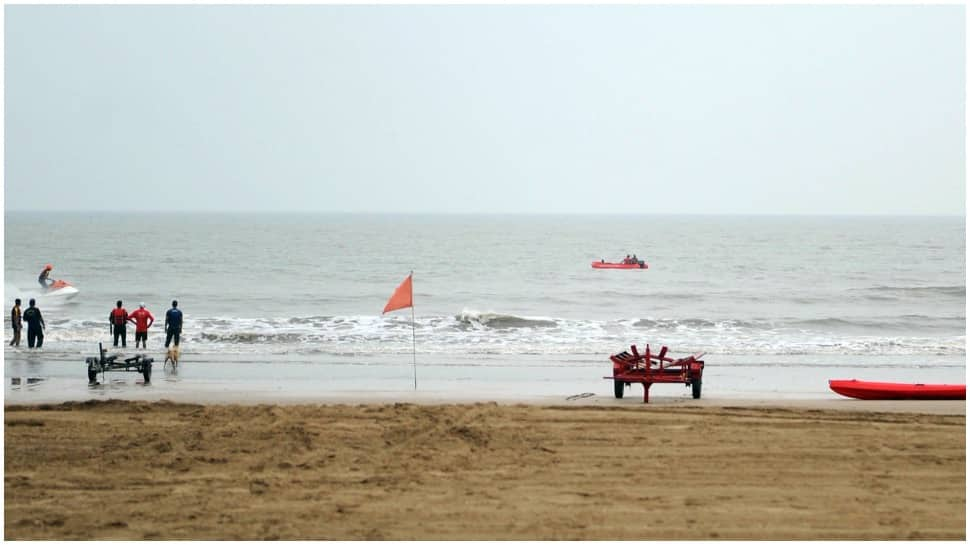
[647, 369]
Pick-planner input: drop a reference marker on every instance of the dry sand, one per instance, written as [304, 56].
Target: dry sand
[138, 470]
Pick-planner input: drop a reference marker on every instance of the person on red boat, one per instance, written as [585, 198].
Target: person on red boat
[45, 279]
[143, 320]
[626, 260]
[118, 320]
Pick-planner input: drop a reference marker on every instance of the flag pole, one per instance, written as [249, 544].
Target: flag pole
[414, 350]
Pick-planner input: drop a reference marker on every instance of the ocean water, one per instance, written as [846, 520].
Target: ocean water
[505, 304]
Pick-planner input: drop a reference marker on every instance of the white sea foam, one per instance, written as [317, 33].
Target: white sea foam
[498, 333]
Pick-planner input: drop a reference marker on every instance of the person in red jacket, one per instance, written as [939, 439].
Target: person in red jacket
[142, 320]
[119, 320]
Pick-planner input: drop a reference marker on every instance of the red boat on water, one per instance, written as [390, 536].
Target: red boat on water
[607, 265]
[861, 389]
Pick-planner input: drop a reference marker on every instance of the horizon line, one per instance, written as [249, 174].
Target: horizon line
[508, 213]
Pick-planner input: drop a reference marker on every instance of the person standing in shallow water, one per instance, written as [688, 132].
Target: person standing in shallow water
[173, 324]
[35, 325]
[143, 319]
[18, 324]
[118, 320]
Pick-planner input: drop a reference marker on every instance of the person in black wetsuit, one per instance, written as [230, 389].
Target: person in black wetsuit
[173, 324]
[35, 325]
[44, 279]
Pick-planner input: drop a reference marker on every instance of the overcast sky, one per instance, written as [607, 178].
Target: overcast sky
[637, 108]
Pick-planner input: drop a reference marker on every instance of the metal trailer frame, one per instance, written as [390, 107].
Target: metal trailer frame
[138, 363]
[649, 368]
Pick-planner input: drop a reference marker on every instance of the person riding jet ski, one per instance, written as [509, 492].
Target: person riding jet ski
[44, 279]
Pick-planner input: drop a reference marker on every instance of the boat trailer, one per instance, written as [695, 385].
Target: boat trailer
[137, 363]
[648, 368]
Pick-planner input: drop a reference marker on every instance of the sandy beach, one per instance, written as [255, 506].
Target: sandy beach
[164, 470]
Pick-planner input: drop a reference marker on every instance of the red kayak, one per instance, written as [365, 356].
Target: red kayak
[608, 265]
[861, 389]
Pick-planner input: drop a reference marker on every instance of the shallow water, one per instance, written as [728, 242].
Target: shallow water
[376, 378]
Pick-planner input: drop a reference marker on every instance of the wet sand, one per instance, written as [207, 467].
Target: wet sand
[163, 470]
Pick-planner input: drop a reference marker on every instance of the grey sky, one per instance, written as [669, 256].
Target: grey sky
[637, 108]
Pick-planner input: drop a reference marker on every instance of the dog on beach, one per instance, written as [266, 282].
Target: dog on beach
[172, 355]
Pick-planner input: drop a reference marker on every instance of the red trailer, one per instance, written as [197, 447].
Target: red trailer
[647, 368]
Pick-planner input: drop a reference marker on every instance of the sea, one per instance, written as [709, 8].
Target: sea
[288, 306]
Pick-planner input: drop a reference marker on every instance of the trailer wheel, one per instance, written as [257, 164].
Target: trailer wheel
[695, 388]
[618, 389]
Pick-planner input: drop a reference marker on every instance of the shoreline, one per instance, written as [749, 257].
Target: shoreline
[536, 379]
[942, 407]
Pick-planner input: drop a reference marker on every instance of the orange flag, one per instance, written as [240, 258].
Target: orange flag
[401, 298]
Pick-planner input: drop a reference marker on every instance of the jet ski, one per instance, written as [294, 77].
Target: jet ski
[60, 289]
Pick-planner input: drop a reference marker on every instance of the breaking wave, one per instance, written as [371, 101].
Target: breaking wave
[501, 321]
[896, 291]
[477, 332]
[693, 323]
